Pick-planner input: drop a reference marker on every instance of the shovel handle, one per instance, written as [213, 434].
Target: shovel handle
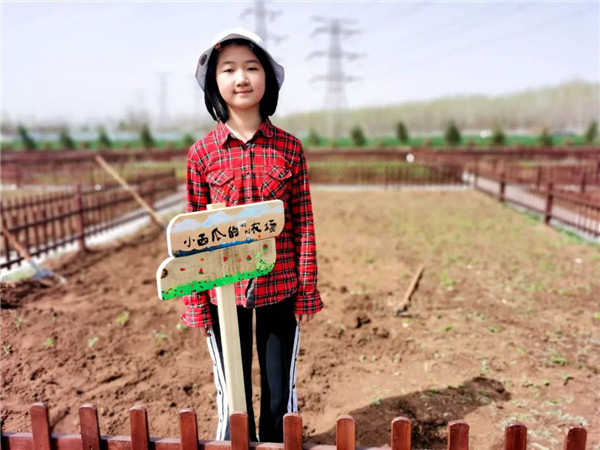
[14, 242]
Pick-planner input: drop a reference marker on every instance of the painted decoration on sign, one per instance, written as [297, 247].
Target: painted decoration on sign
[186, 275]
[203, 231]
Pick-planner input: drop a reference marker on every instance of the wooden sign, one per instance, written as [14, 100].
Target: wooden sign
[214, 249]
[195, 273]
[203, 231]
[219, 246]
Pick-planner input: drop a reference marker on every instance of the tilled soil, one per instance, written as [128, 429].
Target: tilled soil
[504, 325]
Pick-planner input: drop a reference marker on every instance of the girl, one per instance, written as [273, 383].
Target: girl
[247, 159]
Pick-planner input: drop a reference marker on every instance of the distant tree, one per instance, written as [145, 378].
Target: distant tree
[498, 137]
[27, 141]
[402, 133]
[545, 138]
[357, 136]
[591, 133]
[313, 139]
[146, 137]
[452, 135]
[104, 141]
[188, 140]
[65, 140]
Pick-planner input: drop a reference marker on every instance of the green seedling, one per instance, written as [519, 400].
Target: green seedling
[7, 349]
[448, 328]
[597, 316]
[160, 336]
[123, 318]
[559, 360]
[546, 382]
[181, 326]
[566, 378]
[92, 341]
[49, 342]
[18, 321]
[362, 358]
[494, 329]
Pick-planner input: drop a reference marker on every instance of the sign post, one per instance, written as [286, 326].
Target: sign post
[213, 249]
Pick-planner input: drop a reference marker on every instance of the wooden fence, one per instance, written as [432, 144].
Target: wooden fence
[569, 208]
[515, 437]
[43, 223]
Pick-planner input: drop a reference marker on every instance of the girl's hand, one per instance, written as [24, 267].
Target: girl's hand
[204, 331]
[303, 318]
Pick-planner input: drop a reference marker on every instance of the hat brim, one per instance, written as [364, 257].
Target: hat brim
[202, 65]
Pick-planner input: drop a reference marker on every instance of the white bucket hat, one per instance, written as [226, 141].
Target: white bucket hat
[235, 33]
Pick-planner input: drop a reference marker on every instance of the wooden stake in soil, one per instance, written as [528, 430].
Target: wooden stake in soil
[410, 291]
[113, 173]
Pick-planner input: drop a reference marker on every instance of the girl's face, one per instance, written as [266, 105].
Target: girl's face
[240, 78]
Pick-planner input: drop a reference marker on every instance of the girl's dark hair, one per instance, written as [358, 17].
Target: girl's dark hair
[215, 104]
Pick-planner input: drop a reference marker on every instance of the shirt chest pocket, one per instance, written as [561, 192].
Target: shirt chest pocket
[222, 186]
[276, 183]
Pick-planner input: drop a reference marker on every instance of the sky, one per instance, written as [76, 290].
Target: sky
[89, 62]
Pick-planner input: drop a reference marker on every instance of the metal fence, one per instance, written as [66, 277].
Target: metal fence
[43, 223]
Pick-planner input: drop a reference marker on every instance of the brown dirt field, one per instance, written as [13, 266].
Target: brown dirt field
[505, 325]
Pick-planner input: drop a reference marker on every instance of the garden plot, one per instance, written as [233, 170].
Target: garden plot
[505, 325]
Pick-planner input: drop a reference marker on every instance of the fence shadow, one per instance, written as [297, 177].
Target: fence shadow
[429, 412]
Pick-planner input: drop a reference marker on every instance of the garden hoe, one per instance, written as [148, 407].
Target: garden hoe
[42, 275]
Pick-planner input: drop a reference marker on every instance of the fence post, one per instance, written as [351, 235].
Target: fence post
[138, 423]
[549, 198]
[502, 187]
[576, 438]
[515, 436]
[345, 433]
[292, 431]
[458, 435]
[80, 220]
[40, 427]
[188, 429]
[90, 429]
[538, 178]
[238, 423]
[583, 182]
[401, 429]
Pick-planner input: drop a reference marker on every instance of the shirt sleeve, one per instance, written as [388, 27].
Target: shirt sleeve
[308, 299]
[197, 312]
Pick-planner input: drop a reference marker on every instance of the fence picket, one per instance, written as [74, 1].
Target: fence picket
[576, 438]
[188, 429]
[401, 429]
[40, 426]
[292, 432]
[345, 433]
[90, 428]
[239, 431]
[138, 422]
[515, 436]
[458, 435]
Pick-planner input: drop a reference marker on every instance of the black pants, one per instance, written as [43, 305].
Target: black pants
[277, 339]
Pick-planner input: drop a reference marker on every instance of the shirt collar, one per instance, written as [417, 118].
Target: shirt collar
[222, 133]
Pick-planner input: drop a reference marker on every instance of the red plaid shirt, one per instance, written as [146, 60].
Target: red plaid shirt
[271, 165]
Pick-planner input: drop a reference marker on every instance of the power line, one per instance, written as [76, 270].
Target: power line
[495, 39]
[335, 96]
